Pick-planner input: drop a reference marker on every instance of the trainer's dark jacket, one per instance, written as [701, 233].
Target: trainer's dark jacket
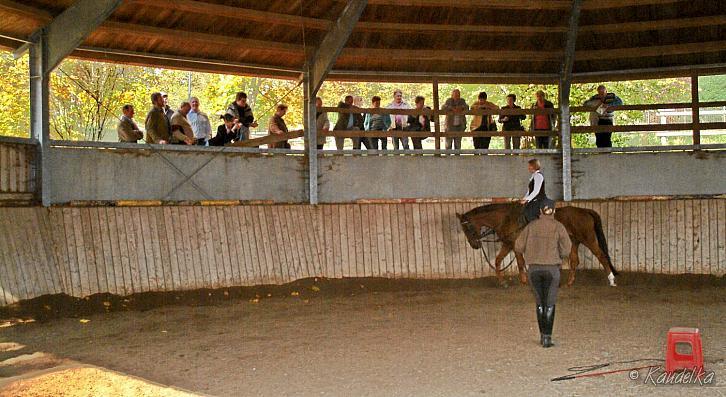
[543, 241]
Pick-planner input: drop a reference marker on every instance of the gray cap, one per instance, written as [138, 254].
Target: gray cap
[548, 203]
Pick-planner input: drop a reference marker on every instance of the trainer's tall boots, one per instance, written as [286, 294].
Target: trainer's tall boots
[541, 322]
[549, 322]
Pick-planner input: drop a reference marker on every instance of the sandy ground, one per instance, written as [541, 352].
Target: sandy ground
[471, 339]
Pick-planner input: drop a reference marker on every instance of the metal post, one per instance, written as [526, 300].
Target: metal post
[437, 126]
[695, 110]
[39, 114]
[189, 86]
[564, 103]
[564, 99]
[311, 137]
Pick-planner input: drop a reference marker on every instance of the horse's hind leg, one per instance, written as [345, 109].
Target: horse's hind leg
[574, 262]
[603, 259]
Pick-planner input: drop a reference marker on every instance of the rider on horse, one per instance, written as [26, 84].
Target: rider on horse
[535, 192]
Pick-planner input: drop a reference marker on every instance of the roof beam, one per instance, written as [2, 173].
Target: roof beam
[663, 24]
[332, 44]
[522, 4]
[651, 51]
[239, 13]
[68, 30]
[447, 55]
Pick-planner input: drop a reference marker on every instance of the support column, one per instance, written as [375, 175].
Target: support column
[39, 114]
[695, 110]
[50, 45]
[437, 126]
[311, 137]
[564, 99]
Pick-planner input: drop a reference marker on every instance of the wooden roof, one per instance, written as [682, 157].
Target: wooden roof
[402, 40]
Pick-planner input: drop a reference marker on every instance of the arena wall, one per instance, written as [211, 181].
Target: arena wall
[124, 250]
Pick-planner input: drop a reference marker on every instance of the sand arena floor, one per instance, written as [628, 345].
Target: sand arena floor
[383, 338]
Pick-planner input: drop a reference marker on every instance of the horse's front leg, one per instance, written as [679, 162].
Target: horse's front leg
[522, 270]
[498, 263]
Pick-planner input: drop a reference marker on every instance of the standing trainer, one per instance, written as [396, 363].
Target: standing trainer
[545, 245]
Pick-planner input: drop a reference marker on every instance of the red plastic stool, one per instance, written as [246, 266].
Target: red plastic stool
[676, 361]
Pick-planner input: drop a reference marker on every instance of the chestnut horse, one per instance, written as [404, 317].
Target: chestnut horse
[505, 221]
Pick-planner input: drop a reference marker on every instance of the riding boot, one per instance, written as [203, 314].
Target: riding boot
[549, 322]
[541, 322]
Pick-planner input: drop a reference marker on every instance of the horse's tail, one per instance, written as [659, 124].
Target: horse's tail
[602, 241]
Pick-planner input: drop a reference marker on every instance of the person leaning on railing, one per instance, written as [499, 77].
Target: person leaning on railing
[127, 129]
[226, 132]
[241, 111]
[399, 122]
[543, 122]
[277, 126]
[455, 122]
[419, 122]
[322, 123]
[200, 123]
[601, 101]
[483, 122]
[158, 126]
[181, 130]
[377, 122]
[512, 123]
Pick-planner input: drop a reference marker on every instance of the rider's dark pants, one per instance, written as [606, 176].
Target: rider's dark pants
[531, 210]
[544, 280]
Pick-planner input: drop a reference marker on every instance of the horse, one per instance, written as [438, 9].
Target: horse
[505, 220]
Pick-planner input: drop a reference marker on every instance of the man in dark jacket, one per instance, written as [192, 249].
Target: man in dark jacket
[349, 122]
[240, 110]
[420, 122]
[545, 245]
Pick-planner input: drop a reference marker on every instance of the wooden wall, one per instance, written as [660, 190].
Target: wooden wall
[17, 179]
[123, 250]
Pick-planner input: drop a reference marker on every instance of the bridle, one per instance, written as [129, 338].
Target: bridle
[487, 235]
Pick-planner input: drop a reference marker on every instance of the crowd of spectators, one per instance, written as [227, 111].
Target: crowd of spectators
[188, 125]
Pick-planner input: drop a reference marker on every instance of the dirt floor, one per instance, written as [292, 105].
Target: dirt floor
[363, 337]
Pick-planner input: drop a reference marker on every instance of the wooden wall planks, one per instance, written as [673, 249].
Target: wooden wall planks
[123, 250]
[16, 170]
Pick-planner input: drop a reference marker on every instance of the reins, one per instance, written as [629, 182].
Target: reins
[483, 239]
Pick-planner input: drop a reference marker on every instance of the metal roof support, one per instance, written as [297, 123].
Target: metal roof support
[49, 46]
[564, 100]
[316, 69]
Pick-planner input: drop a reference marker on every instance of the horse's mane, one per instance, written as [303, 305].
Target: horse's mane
[484, 209]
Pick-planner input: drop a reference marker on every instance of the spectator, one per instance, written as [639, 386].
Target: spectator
[345, 122]
[226, 132]
[601, 102]
[512, 123]
[483, 122]
[181, 130]
[127, 129]
[158, 127]
[455, 122]
[399, 122]
[421, 122]
[377, 122]
[277, 126]
[543, 122]
[322, 124]
[167, 109]
[358, 124]
[240, 110]
[199, 121]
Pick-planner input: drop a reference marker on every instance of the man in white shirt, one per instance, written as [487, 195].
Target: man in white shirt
[399, 122]
[199, 121]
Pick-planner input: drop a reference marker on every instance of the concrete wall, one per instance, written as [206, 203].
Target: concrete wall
[119, 174]
[346, 179]
[599, 176]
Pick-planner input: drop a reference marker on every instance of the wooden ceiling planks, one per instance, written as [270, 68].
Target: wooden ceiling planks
[399, 36]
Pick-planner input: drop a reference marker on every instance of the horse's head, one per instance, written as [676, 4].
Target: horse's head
[470, 230]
